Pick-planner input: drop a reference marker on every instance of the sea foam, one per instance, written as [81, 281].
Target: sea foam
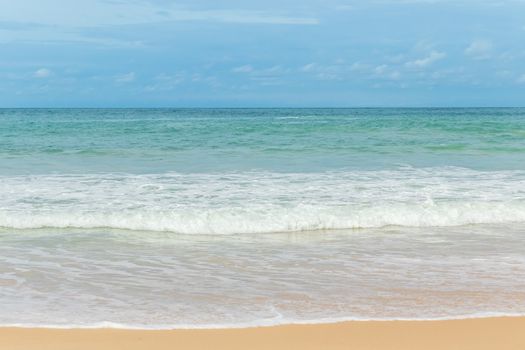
[266, 220]
[259, 202]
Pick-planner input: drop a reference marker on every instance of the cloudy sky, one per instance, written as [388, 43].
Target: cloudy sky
[161, 53]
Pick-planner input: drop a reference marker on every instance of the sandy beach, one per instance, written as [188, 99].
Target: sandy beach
[479, 334]
[248, 175]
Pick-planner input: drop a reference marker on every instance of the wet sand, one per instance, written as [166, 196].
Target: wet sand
[478, 334]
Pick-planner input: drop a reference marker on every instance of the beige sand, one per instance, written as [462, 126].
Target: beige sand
[478, 334]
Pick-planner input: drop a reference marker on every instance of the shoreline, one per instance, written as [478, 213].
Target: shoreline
[469, 333]
[238, 326]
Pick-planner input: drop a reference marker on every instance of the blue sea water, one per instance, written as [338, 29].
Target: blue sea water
[162, 218]
[281, 140]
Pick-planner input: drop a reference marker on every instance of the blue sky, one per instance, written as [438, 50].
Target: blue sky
[159, 53]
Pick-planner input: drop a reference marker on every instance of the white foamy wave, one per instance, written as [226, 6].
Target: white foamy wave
[265, 220]
[264, 202]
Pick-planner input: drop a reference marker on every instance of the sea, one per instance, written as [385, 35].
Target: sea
[206, 218]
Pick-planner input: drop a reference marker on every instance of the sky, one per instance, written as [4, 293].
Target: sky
[233, 53]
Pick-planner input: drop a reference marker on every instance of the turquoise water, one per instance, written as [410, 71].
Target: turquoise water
[161, 218]
[284, 140]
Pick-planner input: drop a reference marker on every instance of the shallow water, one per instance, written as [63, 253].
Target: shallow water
[165, 280]
[203, 218]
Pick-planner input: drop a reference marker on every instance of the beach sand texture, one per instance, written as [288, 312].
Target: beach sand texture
[478, 334]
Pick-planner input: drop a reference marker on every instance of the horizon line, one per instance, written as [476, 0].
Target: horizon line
[277, 107]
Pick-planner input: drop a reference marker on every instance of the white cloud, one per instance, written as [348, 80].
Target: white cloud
[274, 70]
[237, 16]
[479, 49]
[266, 76]
[328, 75]
[125, 78]
[380, 70]
[359, 67]
[385, 71]
[434, 56]
[325, 72]
[243, 69]
[345, 7]
[307, 67]
[58, 35]
[453, 2]
[166, 82]
[95, 13]
[42, 73]
[424, 46]
[395, 75]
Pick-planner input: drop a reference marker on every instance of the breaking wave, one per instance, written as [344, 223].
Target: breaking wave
[264, 202]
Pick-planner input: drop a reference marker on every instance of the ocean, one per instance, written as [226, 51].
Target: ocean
[201, 218]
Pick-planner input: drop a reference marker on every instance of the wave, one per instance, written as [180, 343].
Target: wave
[228, 203]
[267, 220]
